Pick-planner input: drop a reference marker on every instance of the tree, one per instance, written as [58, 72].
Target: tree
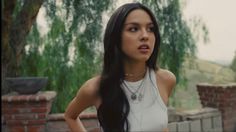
[67, 54]
[233, 64]
[80, 26]
[16, 24]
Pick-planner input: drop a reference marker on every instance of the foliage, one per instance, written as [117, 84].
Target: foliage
[66, 54]
[177, 39]
[233, 65]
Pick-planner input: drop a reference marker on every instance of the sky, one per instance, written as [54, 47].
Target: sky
[220, 19]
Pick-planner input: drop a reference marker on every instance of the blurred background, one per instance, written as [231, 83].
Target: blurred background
[62, 40]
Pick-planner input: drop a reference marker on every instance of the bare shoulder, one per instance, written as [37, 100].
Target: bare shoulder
[167, 79]
[90, 87]
[166, 75]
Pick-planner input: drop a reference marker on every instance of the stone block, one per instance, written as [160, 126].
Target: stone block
[172, 127]
[195, 126]
[183, 126]
[206, 124]
[217, 122]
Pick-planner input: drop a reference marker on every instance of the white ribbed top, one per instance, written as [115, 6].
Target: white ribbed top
[149, 114]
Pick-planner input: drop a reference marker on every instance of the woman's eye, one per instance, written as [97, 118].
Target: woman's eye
[150, 29]
[133, 29]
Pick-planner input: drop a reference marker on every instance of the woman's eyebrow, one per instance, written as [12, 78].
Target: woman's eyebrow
[131, 23]
[136, 24]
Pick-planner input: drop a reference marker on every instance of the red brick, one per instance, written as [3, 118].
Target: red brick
[9, 111]
[25, 116]
[228, 122]
[219, 91]
[40, 116]
[36, 122]
[37, 104]
[25, 122]
[16, 128]
[24, 110]
[204, 104]
[211, 104]
[39, 110]
[5, 104]
[225, 105]
[36, 128]
[221, 104]
[227, 95]
[16, 122]
[230, 114]
[8, 117]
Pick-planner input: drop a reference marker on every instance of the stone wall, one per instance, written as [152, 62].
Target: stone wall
[198, 120]
[201, 120]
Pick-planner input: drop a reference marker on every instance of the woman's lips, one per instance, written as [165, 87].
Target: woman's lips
[144, 48]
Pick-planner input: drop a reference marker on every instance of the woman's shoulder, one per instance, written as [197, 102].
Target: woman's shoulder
[91, 86]
[167, 79]
[166, 75]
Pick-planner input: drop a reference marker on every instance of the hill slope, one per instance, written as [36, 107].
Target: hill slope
[200, 71]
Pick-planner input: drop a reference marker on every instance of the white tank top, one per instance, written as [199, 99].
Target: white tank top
[149, 113]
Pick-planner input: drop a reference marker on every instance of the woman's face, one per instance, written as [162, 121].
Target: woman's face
[137, 38]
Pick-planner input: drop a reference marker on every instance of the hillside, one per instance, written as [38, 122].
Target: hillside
[200, 71]
[205, 71]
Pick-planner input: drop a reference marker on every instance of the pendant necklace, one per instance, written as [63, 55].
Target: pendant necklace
[134, 95]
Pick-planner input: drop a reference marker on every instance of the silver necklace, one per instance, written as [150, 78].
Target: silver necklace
[134, 95]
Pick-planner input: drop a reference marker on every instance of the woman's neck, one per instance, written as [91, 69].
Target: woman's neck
[134, 71]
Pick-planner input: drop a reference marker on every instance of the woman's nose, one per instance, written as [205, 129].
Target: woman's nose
[144, 35]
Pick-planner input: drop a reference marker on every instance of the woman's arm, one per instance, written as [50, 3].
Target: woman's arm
[86, 97]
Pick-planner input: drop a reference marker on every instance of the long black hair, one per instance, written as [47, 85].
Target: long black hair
[114, 109]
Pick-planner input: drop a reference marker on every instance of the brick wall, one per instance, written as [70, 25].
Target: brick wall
[30, 113]
[222, 97]
[26, 113]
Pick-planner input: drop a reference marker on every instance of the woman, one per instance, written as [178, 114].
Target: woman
[131, 94]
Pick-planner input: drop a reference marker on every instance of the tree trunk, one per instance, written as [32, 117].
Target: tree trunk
[14, 33]
[8, 6]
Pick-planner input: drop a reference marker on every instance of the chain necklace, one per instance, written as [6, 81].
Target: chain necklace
[135, 95]
[133, 75]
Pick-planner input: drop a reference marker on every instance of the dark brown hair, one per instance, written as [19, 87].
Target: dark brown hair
[114, 110]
